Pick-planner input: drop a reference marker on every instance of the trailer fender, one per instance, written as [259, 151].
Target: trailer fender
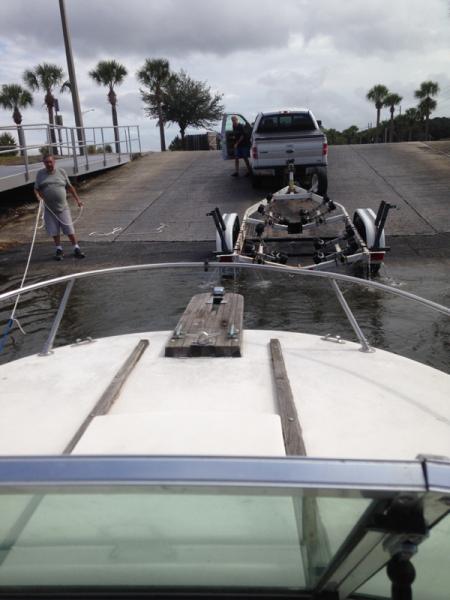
[364, 221]
[230, 234]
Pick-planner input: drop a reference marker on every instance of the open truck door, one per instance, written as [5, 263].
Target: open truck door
[227, 134]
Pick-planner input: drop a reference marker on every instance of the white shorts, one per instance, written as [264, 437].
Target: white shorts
[58, 221]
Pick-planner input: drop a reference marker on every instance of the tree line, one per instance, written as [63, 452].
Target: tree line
[413, 124]
[168, 96]
[177, 98]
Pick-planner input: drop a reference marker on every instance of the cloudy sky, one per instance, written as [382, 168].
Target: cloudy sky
[260, 54]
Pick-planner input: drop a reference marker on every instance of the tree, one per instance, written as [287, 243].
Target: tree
[14, 97]
[110, 73]
[377, 95]
[155, 74]
[7, 142]
[351, 134]
[427, 105]
[46, 77]
[391, 101]
[412, 117]
[334, 137]
[189, 103]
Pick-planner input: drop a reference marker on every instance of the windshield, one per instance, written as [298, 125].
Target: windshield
[286, 123]
[258, 524]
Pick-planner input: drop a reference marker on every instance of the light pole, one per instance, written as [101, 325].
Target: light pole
[72, 77]
[88, 110]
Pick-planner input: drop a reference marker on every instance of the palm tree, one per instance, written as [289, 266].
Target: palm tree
[391, 101]
[427, 105]
[110, 73]
[377, 94]
[14, 97]
[46, 77]
[155, 75]
[412, 117]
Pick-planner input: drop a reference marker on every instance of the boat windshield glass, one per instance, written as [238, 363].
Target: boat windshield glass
[171, 537]
[206, 525]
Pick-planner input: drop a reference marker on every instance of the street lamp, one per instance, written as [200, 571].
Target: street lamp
[88, 110]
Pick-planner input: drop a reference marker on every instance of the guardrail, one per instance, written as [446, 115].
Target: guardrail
[84, 147]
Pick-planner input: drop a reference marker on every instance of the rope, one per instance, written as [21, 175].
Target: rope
[113, 232]
[60, 220]
[12, 318]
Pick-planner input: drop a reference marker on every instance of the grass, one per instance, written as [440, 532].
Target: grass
[18, 160]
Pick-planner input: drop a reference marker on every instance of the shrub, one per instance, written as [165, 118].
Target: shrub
[7, 142]
[92, 149]
[176, 144]
[44, 151]
[108, 149]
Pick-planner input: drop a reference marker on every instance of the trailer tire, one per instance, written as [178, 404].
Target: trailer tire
[361, 228]
[319, 181]
[231, 232]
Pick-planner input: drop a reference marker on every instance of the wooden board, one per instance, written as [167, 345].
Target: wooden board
[206, 329]
[290, 424]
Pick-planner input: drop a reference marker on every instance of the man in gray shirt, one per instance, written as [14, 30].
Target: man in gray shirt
[50, 187]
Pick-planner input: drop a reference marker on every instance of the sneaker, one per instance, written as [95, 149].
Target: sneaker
[78, 254]
[59, 255]
[235, 174]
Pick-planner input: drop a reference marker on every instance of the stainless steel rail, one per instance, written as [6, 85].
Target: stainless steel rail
[33, 137]
[332, 277]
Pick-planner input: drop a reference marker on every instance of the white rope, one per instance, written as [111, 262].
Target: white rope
[56, 216]
[113, 232]
[12, 317]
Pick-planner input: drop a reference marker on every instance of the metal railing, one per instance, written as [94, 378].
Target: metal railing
[94, 144]
[332, 277]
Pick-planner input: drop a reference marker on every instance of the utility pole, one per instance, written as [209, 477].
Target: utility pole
[73, 80]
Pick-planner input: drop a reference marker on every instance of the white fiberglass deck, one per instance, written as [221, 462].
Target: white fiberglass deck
[350, 404]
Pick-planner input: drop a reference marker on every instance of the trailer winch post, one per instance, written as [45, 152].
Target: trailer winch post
[380, 221]
[220, 226]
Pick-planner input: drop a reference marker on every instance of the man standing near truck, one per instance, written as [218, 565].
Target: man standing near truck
[241, 147]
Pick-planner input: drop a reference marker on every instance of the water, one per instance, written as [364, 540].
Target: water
[148, 301]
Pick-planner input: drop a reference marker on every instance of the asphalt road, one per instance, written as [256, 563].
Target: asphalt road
[155, 207]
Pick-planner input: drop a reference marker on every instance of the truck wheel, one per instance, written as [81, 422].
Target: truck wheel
[319, 181]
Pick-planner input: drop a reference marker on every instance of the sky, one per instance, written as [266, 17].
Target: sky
[259, 54]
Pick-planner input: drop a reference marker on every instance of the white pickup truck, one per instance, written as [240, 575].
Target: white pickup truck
[280, 137]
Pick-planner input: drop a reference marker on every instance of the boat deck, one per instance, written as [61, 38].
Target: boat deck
[350, 404]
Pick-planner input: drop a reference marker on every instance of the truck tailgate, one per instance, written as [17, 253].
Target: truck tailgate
[274, 150]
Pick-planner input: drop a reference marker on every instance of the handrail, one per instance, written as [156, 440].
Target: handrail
[222, 266]
[333, 277]
[66, 140]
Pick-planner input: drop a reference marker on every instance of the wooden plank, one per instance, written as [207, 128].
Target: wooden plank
[111, 393]
[290, 424]
[204, 328]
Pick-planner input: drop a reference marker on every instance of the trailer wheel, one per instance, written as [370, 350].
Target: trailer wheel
[319, 181]
[360, 227]
[230, 233]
